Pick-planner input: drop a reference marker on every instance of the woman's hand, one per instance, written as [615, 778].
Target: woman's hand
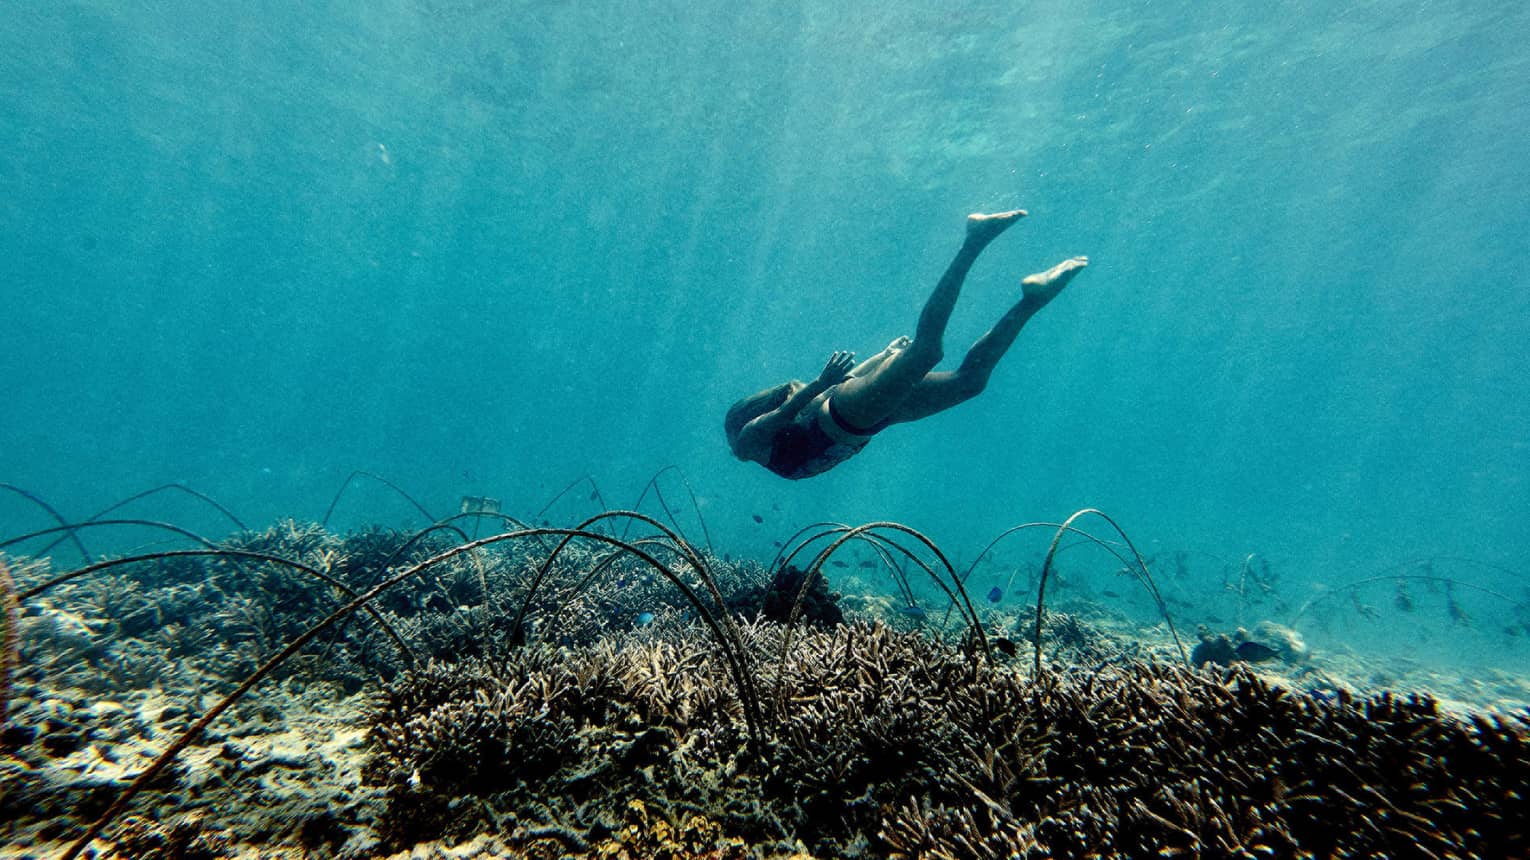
[837, 369]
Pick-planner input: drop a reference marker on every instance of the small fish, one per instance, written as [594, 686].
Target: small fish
[1006, 647]
[837, 563]
[776, 544]
[995, 594]
[644, 619]
[1255, 652]
[913, 611]
[594, 494]
[758, 518]
[867, 565]
[1111, 594]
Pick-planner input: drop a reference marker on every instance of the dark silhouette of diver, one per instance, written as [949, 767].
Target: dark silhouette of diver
[798, 429]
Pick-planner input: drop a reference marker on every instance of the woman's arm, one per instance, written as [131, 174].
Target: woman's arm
[754, 440]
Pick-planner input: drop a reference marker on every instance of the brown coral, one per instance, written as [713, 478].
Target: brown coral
[910, 747]
[8, 638]
[857, 740]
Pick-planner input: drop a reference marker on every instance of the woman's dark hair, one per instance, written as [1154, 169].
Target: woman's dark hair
[752, 407]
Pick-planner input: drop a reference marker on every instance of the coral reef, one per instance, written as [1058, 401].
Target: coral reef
[510, 700]
[819, 606]
[890, 744]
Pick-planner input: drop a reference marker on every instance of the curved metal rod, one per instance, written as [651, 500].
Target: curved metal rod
[164, 527]
[813, 570]
[52, 512]
[595, 495]
[879, 544]
[832, 526]
[381, 480]
[393, 557]
[561, 601]
[653, 483]
[446, 525]
[1147, 580]
[505, 519]
[900, 575]
[875, 540]
[1112, 548]
[1396, 577]
[98, 523]
[1085, 538]
[738, 659]
[706, 533]
[145, 494]
[388, 563]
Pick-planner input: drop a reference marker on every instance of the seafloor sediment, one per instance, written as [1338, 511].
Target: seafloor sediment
[592, 734]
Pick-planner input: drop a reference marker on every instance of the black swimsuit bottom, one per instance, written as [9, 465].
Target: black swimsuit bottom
[801, 449]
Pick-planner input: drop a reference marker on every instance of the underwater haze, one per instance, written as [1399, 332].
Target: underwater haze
[485, 248]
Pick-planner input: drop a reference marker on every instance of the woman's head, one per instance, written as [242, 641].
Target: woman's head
[752, 407]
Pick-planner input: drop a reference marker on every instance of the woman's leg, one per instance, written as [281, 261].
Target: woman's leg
[871, 364]
[938, 392]
[866, 400]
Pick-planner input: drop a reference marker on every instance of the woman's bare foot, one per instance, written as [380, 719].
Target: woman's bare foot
[983, 229]
[900, 342]
[1043, 287]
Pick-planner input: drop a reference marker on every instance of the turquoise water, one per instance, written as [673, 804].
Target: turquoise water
[485, 248]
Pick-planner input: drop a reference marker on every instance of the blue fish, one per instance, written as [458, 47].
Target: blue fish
[995, 594]
[644, 619]
[913, 611]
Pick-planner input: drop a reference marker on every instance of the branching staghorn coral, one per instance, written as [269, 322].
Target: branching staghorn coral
[875, 742]
[9, 619]
[730, 647]
[908, 747]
